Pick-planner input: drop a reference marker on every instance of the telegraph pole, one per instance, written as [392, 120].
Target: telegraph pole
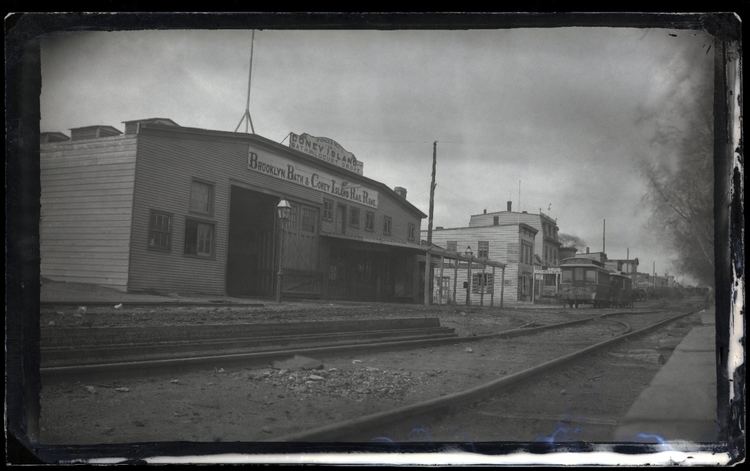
[428, 261]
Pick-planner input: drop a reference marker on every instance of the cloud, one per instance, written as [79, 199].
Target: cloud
[560, 109]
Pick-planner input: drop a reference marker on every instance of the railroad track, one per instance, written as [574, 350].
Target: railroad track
[84, 353]
[393, 422]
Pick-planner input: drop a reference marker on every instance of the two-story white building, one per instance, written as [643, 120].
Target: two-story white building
[512, 244]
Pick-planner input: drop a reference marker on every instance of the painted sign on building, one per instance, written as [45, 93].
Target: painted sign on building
[325, 149]
[287, 170]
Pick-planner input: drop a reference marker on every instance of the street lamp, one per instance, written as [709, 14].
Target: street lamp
[283, 211]
[469, 254]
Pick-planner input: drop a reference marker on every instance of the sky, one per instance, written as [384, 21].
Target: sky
[553, 112]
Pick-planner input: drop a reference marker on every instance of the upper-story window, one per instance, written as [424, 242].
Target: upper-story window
[495, 220]
[353, 216]
[387, 225]
[369, 221]
[451, 246]
[202, 197]
[483, 249]
[412, 230]
[526, 253]
[327, 209]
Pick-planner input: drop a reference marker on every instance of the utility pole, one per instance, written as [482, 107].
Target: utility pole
[428, 261]
[604, 237]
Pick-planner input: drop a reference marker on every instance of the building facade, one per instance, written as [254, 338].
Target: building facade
[628, 266]
[511, 244]
[167, 208]
[546, 244]
[546, 275]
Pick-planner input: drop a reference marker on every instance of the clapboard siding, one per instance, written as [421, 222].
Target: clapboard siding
[121, 172]
[168, 161]
[165, 170]
[387, 206]
[546, 243]
[503, 247]
[86, 209]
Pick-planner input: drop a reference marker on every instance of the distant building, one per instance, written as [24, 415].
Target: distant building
[643, 281]
[627, 266]
[512, 244]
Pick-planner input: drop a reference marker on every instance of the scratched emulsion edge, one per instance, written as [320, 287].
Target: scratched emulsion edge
[735, 361]
[736, 351]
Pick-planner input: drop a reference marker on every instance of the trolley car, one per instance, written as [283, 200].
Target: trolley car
[622, 290]
[586, 281]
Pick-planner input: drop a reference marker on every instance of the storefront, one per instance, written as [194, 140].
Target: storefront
[166, 208]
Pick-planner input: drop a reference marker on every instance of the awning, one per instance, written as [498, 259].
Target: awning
[374, 242]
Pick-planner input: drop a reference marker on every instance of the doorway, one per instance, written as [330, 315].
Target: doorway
[251, 246]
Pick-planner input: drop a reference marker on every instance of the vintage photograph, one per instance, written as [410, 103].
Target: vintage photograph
[414, 235]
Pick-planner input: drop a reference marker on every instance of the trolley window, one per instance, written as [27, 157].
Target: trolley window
[567, 275]
[591, 275]
[578, 274]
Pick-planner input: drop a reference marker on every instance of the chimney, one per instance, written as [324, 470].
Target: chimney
[400, 191]
[93, 132]
[46, 137]
[134, 126]
[485, 212]
[510, 203]
[587, 250]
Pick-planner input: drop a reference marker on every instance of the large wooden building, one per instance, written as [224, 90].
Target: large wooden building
[167, 208]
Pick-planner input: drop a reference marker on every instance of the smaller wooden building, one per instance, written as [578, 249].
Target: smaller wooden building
[508, 244]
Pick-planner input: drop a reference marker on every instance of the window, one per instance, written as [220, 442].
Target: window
[327, 209]
[353, 216]
[412, 231]
[202, 197]
[578, 274]
[387, 225]
[160, 231]
[567, 275]
[309, 217]
[495, 220]
[476, 282]
[526, 253]
[451, 246]
[369, 221]
[549, 280]
[483, 249]
[199, 238]
[591, 275]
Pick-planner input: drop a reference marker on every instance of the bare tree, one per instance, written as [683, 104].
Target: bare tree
[679, 173]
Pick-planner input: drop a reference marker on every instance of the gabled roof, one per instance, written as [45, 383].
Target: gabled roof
[165, 121]
[298, 155]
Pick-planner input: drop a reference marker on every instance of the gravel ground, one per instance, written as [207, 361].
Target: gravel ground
[580, 402]
[466, 321]
[252, 404]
